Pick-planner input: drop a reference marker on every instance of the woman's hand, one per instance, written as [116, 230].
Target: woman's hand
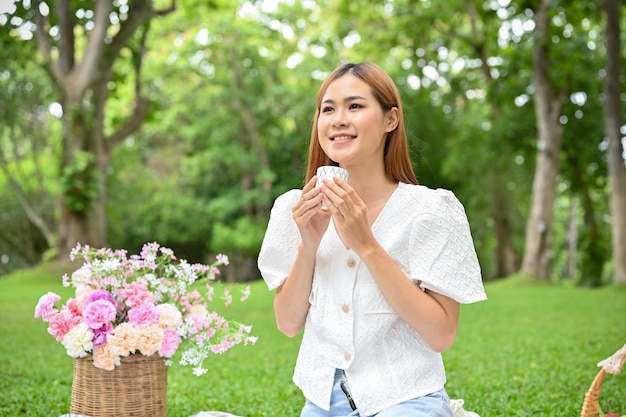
[311, 218]
[349, 214]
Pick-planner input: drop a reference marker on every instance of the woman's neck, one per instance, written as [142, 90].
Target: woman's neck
[372, 186]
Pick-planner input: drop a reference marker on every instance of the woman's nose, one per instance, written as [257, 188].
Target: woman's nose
[340, 118]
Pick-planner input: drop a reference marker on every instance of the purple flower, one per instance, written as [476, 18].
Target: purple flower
[100, 335]
[101, 295]
[99, 313]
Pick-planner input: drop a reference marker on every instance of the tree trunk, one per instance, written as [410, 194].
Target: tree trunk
[612, 123]
[507, 261]
[538, 244]
[83, 168]
[83, 86]
[572, 240]
[591, 248]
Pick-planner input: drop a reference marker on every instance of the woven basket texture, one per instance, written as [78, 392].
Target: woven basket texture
[591, 404]
[612, 365]
[136, 388]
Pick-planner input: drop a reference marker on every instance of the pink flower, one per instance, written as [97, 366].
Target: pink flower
[250, 340]
[168, 252]
[210, 292]
[223, 259]
[171, 340]
[62, 323]
[99, 313]
[136, 293]
[220, 348]
[200, 320]
[72, 305]
[45, 307]
[228, 298]
[246, 293]
[143, 315]
[213, 272]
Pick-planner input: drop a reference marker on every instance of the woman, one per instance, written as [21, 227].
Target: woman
[375, 276]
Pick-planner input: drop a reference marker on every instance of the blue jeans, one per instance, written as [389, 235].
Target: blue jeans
[436, 404]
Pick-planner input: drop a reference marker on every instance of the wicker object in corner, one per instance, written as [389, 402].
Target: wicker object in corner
[591, 406]
[613, 365]
[136, 388]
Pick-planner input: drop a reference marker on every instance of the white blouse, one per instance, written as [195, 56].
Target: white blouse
[350, 325]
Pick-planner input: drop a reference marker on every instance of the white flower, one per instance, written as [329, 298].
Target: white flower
[198, 310]
[199, 371]
[169, 316]
[81, 275]
[78, 341]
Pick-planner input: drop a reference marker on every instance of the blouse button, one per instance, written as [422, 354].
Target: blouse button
[351, 263]
[346, 356]
[345, 308]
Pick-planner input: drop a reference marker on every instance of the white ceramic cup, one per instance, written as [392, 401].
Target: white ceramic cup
[329, 172]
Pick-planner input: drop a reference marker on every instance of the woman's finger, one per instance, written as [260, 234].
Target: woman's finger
[339, 195]
[310, 185]
[309, 203]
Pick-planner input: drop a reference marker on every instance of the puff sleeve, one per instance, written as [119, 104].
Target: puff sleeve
[280, 244]
[441, 251]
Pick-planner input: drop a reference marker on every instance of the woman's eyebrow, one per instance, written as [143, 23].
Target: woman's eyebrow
[345, 100]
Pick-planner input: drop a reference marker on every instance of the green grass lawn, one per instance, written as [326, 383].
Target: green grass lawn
[531, 350]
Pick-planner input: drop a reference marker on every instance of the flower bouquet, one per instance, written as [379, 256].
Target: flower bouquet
[129, 316]
[146, 304]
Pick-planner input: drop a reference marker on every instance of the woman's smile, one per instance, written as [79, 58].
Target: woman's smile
[342, 138]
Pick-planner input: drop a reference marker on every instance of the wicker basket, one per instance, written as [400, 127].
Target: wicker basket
[612, 365]
[136, 388]
[591, 405]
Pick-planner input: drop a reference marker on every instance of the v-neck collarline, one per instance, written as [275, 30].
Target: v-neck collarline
[384, 209]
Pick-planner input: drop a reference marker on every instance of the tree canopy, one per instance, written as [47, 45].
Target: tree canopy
[181, 121]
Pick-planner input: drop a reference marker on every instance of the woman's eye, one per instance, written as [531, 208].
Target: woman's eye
[355, 106]
[326, 109]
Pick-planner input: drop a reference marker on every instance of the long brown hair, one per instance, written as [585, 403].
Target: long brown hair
[397, 160]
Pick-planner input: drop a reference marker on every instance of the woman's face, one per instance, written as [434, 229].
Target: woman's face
[352, 126]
